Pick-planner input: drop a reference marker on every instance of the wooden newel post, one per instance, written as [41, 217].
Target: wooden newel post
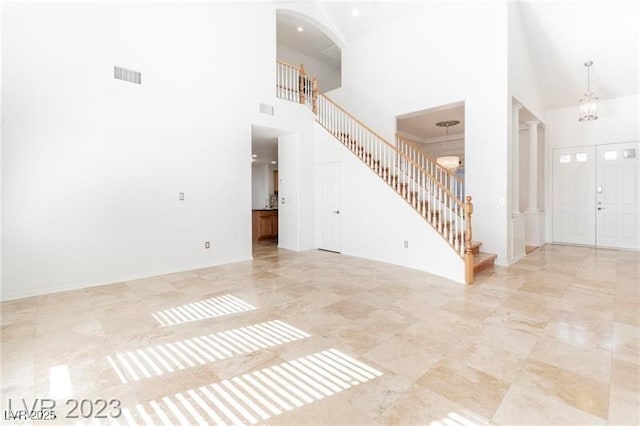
[468, 253]
[302, 80]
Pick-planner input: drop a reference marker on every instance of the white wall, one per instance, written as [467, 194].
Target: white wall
[375, 220]
[1, 149]
[259, 186]
[270, 169]
[289, 188]
[380, 82]
[523, 84]
[92, 166]
[617, 122]
[524, 168]
[327, 75]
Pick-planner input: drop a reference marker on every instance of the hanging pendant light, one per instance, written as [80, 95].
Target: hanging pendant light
[450, 162]
[588, 103]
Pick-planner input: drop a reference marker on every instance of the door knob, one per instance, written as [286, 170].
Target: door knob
[336, 211]
[600, 208]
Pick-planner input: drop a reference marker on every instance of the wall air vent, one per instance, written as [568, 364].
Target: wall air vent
[125, 74]
[266, 109]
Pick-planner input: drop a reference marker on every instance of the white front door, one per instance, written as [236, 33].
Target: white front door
[574, 201]
[617, 196]
[328, 206]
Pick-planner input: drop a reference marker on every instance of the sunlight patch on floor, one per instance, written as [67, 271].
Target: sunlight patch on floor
[169, 357]
[260, 395]
[208, 308]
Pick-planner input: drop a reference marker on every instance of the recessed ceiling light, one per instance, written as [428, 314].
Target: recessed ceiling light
[300, 29]
[355, 12]
[273, 162]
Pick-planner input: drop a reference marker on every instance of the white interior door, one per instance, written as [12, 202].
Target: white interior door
[617, 195]
[328, 206]
[574, 200]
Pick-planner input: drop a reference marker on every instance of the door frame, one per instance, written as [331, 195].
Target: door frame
[551, 158]
[318, 221]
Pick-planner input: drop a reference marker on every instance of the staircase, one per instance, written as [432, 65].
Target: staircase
[454, 183]
[434, 195]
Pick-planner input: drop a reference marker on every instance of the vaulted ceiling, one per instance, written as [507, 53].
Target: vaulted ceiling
[560, 37]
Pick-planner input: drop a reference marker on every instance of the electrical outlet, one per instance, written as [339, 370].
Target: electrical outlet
[182, 196]
[207, 245]
[406, 244]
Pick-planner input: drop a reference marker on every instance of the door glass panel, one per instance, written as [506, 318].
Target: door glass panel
[581, 157]
[565, 158]
[629, 153]
[610, 155]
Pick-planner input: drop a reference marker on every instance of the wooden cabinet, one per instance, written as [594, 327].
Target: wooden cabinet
[264, 224]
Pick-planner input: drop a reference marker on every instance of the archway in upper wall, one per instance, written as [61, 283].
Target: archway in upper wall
[301, 40]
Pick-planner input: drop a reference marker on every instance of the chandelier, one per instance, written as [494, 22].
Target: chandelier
[450, 162]
[588, 103]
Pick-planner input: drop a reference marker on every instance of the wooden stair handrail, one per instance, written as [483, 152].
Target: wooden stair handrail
[458, 237]
[402, 155]
[414, 146]
[286, 64]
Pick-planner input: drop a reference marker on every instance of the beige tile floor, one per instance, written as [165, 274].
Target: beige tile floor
[320, 338]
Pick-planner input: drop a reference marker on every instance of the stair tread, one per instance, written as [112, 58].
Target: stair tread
[483, 260]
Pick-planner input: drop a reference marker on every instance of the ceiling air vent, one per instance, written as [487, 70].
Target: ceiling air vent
[266, 109]
[124, 74]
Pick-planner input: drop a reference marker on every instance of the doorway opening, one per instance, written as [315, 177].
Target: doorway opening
[265, 221]
[437, 133]
[527, 182]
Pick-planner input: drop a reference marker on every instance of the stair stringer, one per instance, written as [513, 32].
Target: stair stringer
[376, 220]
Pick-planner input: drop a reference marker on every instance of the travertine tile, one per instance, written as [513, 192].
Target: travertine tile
[525, 405]
[419, 405]
[493, 360]
[18, 310]
[626, 342]
[553, 339]
[466, 386]
[593, 363]
[627, 312]
[580, 331]
[517, 342]
[17, 330]
[581, 392]
[402, 357]
[624, 402]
